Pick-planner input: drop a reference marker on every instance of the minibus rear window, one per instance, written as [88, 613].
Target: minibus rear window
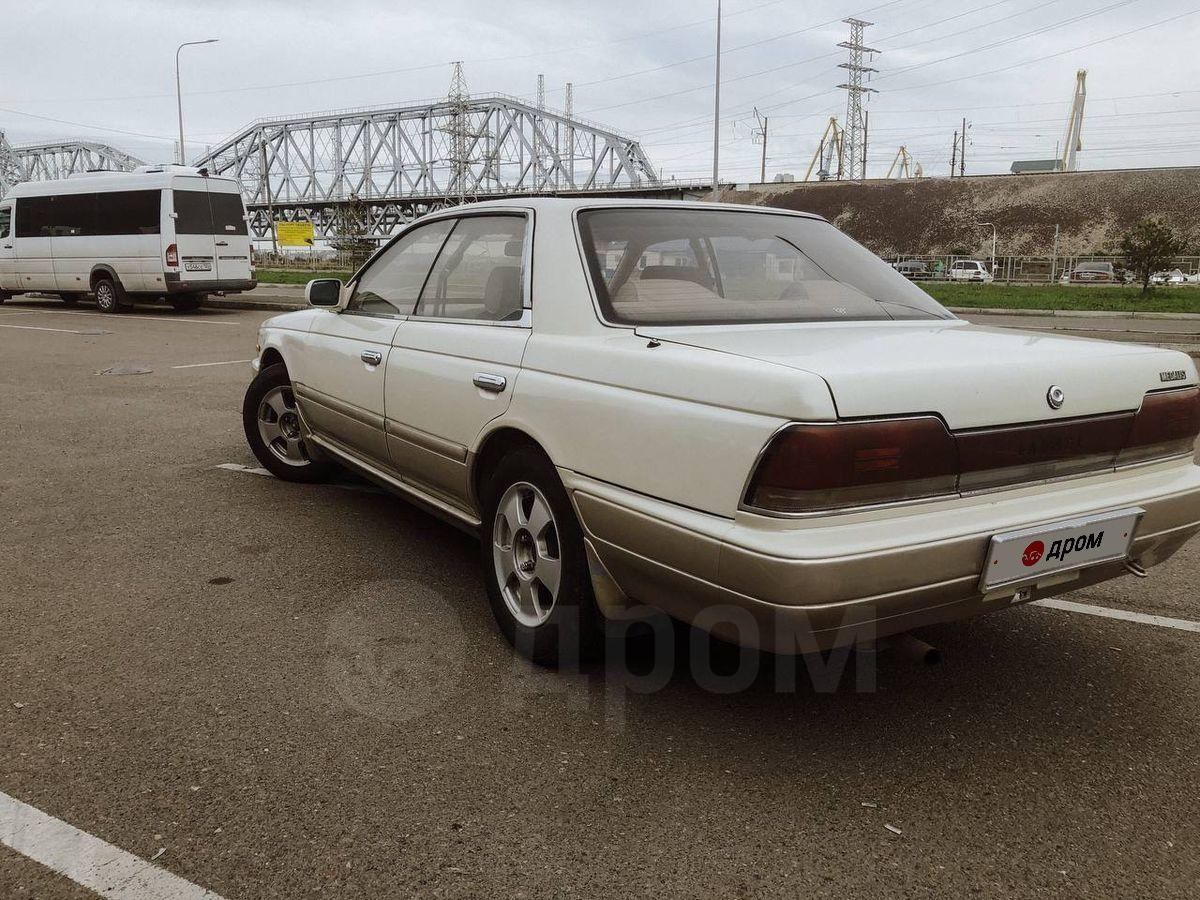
[201, 212]
[228, 214]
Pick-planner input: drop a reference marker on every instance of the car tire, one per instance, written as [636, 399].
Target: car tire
[275, 431]
[534, 563]
[110, 297]
[185, 304]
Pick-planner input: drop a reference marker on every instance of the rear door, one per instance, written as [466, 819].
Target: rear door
[231, 237]
[194, 230]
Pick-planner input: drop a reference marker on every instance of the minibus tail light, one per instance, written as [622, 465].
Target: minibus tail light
[810, 468]
[173, 256]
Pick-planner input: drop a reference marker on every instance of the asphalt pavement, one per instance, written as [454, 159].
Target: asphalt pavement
[278, 690]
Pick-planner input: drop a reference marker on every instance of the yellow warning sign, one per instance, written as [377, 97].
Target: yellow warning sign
[294, 234]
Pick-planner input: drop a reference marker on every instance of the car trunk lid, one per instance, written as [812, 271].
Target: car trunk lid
[971, 376]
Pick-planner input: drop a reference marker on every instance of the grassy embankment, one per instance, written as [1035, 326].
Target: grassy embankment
[1060, 296]
[296, 276]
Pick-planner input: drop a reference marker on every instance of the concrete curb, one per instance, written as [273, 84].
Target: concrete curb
[1071, 313]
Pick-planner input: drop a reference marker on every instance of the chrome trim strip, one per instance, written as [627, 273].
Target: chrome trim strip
[459, 518]
[348, 410]
[426, 441]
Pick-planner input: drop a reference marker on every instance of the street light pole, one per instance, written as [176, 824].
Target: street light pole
[992, 226]
[179, 93]
[716, 188]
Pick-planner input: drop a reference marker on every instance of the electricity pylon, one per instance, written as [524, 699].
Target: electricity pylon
[856, 126]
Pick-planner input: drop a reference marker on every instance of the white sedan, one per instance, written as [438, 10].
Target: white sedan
[735, 415]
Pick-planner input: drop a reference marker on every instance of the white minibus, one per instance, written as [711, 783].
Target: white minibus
[159, 231]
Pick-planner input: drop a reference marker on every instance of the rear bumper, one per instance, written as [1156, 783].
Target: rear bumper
[795, 585]
[176, 284]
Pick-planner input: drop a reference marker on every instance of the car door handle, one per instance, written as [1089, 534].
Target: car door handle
[487, 382]
[371, 357]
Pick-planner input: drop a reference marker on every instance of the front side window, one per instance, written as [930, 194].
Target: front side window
[5, 222]
[697, 267]
[392, 283]
[478, 273]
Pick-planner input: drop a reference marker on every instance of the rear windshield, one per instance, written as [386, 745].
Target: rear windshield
[699, 267]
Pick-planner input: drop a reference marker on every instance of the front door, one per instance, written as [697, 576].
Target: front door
[454, 362]
[8, 275]
[339, 382]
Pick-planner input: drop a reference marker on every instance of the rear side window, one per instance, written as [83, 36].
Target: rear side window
[127, 212]
[478, 274]
[5, 222]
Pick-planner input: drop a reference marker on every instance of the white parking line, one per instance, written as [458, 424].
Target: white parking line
[231, 362]
[59, 330]
[248, 470]
[1107, 613]
[87, 860]
[169, 319]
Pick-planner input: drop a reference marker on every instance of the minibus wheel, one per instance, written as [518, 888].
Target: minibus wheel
[185, 304]
[109, 296]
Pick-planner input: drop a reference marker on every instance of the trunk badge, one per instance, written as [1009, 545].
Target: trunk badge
[1055, 397]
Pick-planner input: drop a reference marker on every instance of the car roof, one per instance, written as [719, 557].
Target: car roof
[559, 204]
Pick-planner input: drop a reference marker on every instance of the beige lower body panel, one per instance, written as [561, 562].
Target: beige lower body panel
[698, 568]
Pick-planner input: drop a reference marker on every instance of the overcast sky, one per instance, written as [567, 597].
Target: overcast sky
[643, 67]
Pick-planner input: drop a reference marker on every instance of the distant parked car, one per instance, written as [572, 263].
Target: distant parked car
[914, 269]
[970, 270]
[1174, 276]
[1092, 273]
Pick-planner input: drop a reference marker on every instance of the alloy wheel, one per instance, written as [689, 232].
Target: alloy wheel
[527, 554]
[280, 428]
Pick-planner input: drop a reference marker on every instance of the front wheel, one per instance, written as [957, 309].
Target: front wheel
[109, 296]
[275, 430]
[534, 563]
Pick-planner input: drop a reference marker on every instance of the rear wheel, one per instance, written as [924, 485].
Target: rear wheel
[535, 565]
[275, 431]
[110, 298]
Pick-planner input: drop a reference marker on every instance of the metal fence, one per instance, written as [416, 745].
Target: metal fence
[1031, 269]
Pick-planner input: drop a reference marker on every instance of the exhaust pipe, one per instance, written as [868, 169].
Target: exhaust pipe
[907, 647]
[1134, 568]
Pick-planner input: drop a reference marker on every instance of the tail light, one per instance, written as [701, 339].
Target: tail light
[173, 256]
[814, 467]
[1166, 425]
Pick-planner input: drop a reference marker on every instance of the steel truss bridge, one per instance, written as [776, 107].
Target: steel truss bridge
[44, 162]
[369, 171]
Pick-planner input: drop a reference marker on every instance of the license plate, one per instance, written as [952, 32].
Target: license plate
[1025, 557]
[197, 265]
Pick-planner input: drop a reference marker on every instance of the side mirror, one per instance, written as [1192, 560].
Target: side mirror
[323, 292]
